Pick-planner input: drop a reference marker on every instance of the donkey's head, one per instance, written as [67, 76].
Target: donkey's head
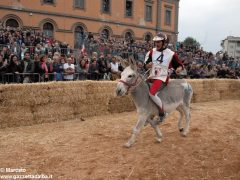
[129, 76]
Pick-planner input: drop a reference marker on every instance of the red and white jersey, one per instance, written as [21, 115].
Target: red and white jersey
[161, 61]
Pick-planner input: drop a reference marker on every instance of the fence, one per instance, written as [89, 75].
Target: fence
[16, 78]
[76, 52]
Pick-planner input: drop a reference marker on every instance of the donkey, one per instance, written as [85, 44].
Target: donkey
[175, 96]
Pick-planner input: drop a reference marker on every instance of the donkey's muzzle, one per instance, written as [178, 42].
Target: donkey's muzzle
[119, 92]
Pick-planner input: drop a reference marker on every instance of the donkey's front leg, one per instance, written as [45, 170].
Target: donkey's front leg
[154, 124]
[141, 121]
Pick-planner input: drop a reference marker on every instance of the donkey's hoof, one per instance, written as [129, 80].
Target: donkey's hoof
[159, 140]
[184, 134]
[181, 129]
[146, 123]
[127, 145]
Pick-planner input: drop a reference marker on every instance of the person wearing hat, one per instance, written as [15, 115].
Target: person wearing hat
[160, 60]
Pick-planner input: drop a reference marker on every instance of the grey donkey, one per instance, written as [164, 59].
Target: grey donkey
[175, 96]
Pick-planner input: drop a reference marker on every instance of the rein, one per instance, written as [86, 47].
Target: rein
[134, 84]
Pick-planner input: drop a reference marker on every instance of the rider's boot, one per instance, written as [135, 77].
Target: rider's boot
[158, 101]
[162, 115]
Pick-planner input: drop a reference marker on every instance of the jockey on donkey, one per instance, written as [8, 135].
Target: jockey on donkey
[159, 60]
[150, 102]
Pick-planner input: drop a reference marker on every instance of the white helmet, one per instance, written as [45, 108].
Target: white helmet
[160, 37]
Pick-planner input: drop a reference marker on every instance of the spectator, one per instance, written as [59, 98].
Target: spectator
[3, 68]
[115, 72]
[94, 70]
[39, 49]
[16, 49]
[50, 69]
[43, 68]
[222, 71]
[57, 68]
[141, 55]
[81, 69]
[140, 67]
[37, 69]
[5, 53]
[69, 70]
[15, 68]
[194, 72]
[28, 67]
[103, 68]
[24, 49]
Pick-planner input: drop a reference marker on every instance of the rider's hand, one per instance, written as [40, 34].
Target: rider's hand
[179, 69]
[149, 65]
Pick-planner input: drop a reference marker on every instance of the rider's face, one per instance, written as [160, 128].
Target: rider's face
[159, 44]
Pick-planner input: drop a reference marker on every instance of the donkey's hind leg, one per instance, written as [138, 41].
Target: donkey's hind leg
[181, 112]
[187, 114]
[186, 108]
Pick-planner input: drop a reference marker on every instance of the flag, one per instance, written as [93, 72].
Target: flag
[83, 50]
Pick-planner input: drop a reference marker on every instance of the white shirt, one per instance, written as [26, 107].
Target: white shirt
[65, 67]
[114, 67]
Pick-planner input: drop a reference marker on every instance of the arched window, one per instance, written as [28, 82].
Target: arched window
[148, 38]
[79, 36]
[12, 23]
[48, 29]
[128, 37]
[105, 34]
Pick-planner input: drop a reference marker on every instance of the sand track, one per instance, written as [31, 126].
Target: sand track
[92, 149]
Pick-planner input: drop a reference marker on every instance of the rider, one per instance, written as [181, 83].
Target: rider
[159, 60]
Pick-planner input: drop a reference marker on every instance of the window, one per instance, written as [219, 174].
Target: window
[79, 4]
[129, 8]
[168, 14]
[106, 6]
[148, 13]
[148, 38]
[48, 1]
[238, 44]
[105, 34]
[12, 23]
[79, 36]
[48, 29]
[129, 37]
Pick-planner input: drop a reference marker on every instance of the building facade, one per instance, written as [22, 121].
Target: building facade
[69, 20]
[231, 46]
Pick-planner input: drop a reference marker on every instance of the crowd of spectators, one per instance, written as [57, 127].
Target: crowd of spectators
[200, 64]
[29, 56]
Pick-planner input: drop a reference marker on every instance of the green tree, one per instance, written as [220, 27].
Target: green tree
[191, 43]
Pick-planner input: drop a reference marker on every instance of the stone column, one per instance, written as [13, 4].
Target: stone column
[159, 9]
[176, 18]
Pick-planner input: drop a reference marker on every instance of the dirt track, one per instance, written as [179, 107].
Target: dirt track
[92, 149]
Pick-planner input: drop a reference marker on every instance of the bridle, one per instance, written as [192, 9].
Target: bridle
[132, 85]
[135, 84]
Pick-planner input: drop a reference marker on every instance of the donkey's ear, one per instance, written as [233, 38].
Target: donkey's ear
[132, 62]
[123, 62]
